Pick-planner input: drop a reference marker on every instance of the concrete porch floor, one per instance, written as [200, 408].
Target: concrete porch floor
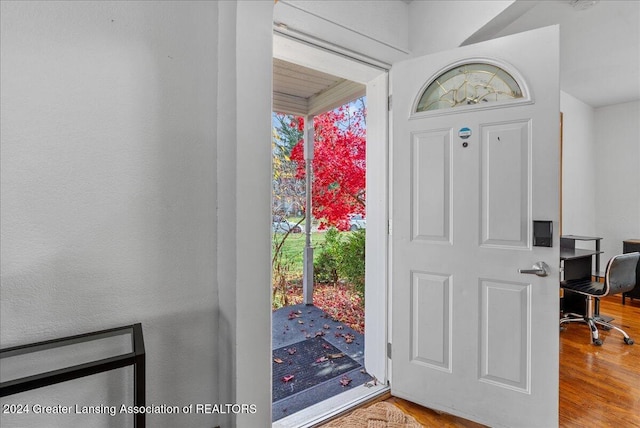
[293, 324]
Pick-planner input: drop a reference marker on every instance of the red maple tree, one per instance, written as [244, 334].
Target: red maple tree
[339, 164]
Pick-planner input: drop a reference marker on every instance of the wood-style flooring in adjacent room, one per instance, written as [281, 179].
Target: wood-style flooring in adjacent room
[599, 385]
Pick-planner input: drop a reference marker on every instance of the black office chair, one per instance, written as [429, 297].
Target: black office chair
[620, 277]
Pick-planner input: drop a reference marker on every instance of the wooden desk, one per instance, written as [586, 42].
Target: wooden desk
[579, 264]
[569, 250]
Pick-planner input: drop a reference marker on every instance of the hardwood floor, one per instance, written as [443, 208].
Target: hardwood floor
[599, 385]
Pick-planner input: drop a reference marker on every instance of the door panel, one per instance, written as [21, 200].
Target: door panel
[505, 183]
[470, 335]
[431, 196]
[431, 320]
[504, 334]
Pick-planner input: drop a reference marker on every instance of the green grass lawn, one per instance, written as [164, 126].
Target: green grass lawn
[341, 300]
[293, 248]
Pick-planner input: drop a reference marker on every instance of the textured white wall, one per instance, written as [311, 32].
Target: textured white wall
[438, 25]
[108, 163]
[578, 168]
[618, 175]
[226, 213]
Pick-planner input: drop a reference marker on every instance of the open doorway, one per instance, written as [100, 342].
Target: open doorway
[356, 88]
[319, 233]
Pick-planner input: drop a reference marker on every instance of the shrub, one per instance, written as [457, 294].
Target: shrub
[341, 258]
[351, 261]
[325, 264]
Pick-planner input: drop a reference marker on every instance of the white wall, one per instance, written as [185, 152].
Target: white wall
[438, 25]
[617, 152]
[226, 205]
[601, 173]
[578, 167]
[108, 163]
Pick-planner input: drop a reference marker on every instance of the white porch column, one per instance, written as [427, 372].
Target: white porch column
[307, 280]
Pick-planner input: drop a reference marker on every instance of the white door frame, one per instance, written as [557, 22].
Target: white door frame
[375, 77]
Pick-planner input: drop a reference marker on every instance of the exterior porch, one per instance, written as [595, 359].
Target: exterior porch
[325, 357]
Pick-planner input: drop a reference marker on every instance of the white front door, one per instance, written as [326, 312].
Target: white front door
[471, 335]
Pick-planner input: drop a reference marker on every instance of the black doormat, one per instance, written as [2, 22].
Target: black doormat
[305, 364]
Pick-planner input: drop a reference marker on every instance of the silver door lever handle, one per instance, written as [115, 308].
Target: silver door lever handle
[540, 269]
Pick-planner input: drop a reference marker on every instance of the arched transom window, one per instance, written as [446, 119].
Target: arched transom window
[469, 84]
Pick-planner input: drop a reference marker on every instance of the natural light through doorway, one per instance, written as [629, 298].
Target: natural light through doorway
[318, 204]
[308, 82]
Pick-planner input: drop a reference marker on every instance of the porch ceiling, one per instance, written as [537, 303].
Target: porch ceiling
[303, 91]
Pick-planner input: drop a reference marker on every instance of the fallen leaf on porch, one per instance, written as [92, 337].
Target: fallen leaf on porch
[349, 338]
[287, 378]
[322, 360]
[326, 346]
[337, 334]
[300, 322]
[293, 315]
[371, 383]
[291, 351]
[307, 336]
[278, 360]
[345, 380]
[339, 302]
[326, 327]
[334, 356]
[340, 327]
[319, 333]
